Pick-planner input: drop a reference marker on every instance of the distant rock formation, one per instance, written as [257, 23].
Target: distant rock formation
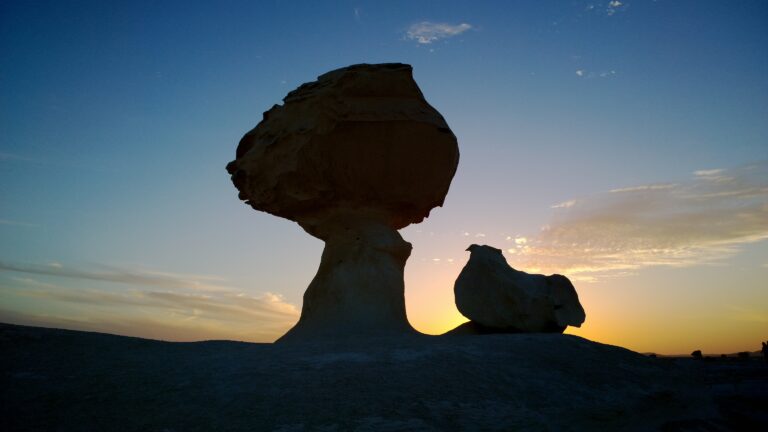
[499, 299]
[351, 157]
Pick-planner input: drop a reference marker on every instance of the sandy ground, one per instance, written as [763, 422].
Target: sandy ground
[76, 381]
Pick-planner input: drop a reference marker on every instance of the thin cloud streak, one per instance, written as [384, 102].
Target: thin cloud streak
[156, 311]
[119, 275]
[221, 307]
[664, 224]
[565, 204]
[18, 223]
[644, 188]
[708, 173]
[11, 156]
[583, 73]
[427, 32]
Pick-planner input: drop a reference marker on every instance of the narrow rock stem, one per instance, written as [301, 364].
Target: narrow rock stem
[358, 289]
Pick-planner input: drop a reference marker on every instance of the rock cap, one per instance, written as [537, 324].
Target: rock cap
[360, 138]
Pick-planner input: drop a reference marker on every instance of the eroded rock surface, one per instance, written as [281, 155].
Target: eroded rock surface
[351, 157]
[498, 298]
[359, 137]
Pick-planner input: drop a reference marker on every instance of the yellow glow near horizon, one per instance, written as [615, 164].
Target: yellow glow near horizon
[666, 311]
[619, 312]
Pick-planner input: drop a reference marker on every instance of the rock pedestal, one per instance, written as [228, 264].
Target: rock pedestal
[358, 289]
[352, 157]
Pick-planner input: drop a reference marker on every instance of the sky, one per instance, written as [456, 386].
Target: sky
[621, 143]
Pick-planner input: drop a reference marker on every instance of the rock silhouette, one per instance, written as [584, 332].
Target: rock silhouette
[351, 157]
[497, 298]
[764, 350]
[62, 380]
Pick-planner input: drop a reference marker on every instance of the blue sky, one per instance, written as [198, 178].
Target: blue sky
[117, 119]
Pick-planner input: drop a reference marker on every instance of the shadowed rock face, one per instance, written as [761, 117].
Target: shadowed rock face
[351, 157]
[498, 298]
[360, 137]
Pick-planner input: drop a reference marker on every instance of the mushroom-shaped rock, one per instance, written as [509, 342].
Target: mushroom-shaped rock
[496, 297]
[351, 157]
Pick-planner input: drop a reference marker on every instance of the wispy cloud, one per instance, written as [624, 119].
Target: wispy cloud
[709, 172]
[223, 306]
[92, 166]
[583, 73]
[17, 223]
[173, 305]
[5, 156]
[660, 224]
[609, 8]
[121, 275]
[565, 204]
[650, 187]
[615, 6]
[427, 32]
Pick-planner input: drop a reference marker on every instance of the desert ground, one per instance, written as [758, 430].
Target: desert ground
[78, 381]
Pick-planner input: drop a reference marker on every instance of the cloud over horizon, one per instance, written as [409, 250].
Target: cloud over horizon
[663, 224]
[426, 32]
[120, 275]
[160, 305]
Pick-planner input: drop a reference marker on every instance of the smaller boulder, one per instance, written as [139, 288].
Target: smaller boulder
[496, 296]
